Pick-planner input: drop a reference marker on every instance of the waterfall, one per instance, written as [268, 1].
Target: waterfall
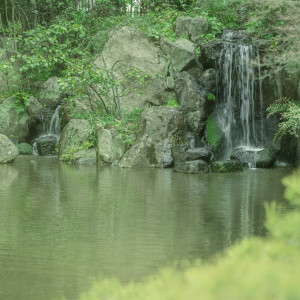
[45, 144]
[236, 94]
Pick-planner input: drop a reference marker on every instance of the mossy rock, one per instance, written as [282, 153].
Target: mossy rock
[214, 134]
[223, 166]
[25, 149]
[192, 167]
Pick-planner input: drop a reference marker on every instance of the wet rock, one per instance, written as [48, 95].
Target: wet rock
[226, 166]
[203, 153]
[179, 153]
[160, 128]
[46, 145]
[208, 81]
[110, 146]
[25, 149]
[260, 158]
[192, 167]
[8, 151]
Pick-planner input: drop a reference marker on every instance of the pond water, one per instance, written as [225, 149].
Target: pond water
[62, 226]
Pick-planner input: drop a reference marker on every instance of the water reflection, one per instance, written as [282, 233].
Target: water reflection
[62, 226]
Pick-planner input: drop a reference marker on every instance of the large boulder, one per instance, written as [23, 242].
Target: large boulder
[138, 65]
[194, 28]
[183, 55]
[13, 124]
[74, 134]
[110, 146]
[8, 151]
[161, 128]
[193, 101]
[50, 94]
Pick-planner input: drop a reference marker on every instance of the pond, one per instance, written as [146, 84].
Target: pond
[62, 226]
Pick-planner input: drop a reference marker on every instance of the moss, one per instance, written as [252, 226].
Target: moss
[24, 149]
[214, 135]
[226, 166]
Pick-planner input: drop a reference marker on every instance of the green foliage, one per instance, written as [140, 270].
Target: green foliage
[9, 75]
[69, 153]
[83, 79]
[172, 103]
[256, 268]
[229, 13]
[279, 22]
[211, 97]
[289, 116]
[45, 51]
[21, 101]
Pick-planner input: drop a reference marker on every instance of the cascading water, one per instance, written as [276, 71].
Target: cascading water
[236, 94]
[46, 142]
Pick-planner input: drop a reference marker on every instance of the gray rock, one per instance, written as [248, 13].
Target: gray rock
[8, 151]
[160, 128]
[196, 71]
[85, 157]
[196, 121]
[170, 83]
[35, 108]
[12, 124]
[183, 55]
[166, 45]
[226, 166]
[46, 145]
[189, 93]
[179, 153]
[24, 149]
[74, 134]
[182, 25]
[197, 28]
[192, 167]
[203, 153]
[191, 27]
[208, 80]
[128, 50]
[50, 94]
[263, 158]
[110, 146]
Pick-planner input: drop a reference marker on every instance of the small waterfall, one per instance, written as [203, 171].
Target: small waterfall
[52, 128]
[45, 144]
[236, 93]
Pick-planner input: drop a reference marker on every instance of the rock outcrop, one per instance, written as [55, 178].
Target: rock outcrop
[138, 65]
[161, 127]
[8, 151]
